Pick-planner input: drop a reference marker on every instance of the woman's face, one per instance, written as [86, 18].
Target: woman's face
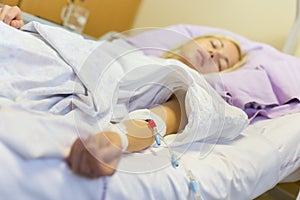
[210, 54]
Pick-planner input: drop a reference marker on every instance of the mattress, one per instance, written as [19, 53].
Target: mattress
[244, 168]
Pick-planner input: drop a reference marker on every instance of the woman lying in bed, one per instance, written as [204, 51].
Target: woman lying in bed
[103, 150]
[254, 80]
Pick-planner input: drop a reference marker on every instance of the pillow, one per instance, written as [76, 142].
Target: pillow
[156, 41]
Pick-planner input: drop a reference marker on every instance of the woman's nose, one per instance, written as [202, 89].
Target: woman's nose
[213, 54]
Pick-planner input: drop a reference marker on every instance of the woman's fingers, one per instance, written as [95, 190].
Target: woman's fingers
[17, 23]
[103, 155]
[74, 158]
[3, 12]
[106, 160]
[94, 157]
[12, 16]
[87, 158]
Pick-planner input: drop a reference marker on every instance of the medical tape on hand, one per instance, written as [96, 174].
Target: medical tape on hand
[146, 114]
[121, 130]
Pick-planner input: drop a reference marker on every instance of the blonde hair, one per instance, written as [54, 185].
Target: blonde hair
[174, 53]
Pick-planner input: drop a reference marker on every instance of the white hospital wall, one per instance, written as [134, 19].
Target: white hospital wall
[261, 20]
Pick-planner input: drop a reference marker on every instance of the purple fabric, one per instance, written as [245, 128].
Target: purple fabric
[269, 80]
[267, 85]
[155, 41]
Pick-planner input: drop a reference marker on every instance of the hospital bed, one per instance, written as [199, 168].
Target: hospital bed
[265, 153]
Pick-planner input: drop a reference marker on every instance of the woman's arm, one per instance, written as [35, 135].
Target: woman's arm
[99, 154]
[141, 137]
[11, 15]
[170, 112]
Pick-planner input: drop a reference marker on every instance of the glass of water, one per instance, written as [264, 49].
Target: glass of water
[74, 17]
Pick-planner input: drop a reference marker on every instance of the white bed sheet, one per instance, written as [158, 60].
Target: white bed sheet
[266, 153]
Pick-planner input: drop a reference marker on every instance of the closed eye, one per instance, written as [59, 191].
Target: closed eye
[223, 64]
[216, 43]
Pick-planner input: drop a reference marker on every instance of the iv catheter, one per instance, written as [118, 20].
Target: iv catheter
[175, 163]
[152, 120]
[158, 138]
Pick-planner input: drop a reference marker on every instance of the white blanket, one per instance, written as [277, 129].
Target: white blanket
[58, 85]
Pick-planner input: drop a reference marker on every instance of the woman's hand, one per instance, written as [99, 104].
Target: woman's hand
[96, 156]
[99, 155]
[11, 15]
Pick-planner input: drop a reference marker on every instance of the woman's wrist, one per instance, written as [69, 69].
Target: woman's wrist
[138, 134]
[170, 113]
[119, 131]
[132, 135]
